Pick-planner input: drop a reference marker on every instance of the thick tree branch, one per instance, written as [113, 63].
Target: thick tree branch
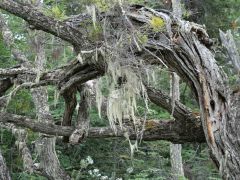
[40, 21]
[181, 112]
[154, 130]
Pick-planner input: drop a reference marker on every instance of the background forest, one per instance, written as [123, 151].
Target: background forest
[111, 158]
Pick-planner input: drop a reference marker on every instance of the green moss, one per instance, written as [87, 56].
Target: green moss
[157, 23]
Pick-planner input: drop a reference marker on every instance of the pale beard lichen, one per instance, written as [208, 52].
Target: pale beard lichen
[122, 96]
[133, 147]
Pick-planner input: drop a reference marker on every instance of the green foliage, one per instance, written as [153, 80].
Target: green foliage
[5, 55]
[220, 14]
[56, 12]
[22, 104]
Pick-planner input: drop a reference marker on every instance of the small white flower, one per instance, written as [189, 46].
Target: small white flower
[96, 171]
[104, 178]
[90, 160]
[90, 172]
[119, 179]
[129, 170]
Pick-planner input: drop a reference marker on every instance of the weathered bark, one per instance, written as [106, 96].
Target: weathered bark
[180, 112]
[177, 10]
[176, 161]
[195, 64]
[4, 173]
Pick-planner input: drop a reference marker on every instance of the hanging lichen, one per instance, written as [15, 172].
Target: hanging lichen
[124, 90]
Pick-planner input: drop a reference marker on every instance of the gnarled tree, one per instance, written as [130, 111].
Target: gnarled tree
[136, 37]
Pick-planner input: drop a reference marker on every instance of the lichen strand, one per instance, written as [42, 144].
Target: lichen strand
[122, 97]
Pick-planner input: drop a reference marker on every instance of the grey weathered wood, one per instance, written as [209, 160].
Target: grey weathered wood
[177, 9]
